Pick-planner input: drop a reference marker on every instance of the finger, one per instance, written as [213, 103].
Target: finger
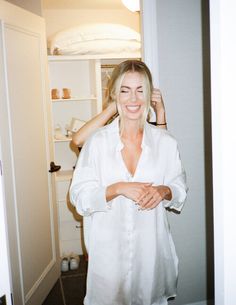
[155, 196]
[154, 205]
[156, 90]
[144, 201]
[156, 94]
[139, 193]
[142, 197]
[153, 202]
[156, 98]
[142, 189]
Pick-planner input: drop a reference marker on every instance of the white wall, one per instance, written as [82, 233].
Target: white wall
[180, 58]
[58, 19]
[29, 5]
[223, 63]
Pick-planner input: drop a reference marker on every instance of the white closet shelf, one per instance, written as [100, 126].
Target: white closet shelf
[68, 139]
[74, 99]
[75, 223]
[63, 175]
[72, 57]
[94, 56]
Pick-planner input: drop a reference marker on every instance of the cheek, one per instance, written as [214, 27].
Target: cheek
[143, 104]
[123, 98]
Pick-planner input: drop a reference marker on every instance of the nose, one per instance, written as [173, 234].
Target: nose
[133, 96]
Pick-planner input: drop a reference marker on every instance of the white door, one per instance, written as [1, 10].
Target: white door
[24, 139]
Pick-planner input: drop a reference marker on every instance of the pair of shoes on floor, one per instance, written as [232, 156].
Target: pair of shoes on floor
[70, 263]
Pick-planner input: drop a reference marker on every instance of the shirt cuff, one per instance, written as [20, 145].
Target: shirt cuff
[93, 201]
[177, 200]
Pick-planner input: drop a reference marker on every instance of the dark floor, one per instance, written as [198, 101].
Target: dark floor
[70, 287]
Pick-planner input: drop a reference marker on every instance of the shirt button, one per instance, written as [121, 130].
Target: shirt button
[128, 176]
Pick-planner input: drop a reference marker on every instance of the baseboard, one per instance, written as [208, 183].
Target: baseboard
[198, 303]
[209, 302]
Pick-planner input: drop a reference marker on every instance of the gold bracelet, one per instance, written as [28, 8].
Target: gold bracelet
[161, 124]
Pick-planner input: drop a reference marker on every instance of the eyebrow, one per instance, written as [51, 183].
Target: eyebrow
[127, 87]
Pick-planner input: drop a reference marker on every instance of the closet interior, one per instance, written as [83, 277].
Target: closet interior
[81, 57]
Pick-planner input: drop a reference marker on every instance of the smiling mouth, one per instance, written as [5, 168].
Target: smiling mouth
[133, 108]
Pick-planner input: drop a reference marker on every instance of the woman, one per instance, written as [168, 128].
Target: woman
[127, 174]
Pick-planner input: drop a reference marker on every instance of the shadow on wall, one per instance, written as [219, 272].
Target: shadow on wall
[208, 150]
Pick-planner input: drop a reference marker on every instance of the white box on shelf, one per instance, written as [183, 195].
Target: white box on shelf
[76, 124]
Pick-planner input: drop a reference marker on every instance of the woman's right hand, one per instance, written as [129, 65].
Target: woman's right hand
[131, 190]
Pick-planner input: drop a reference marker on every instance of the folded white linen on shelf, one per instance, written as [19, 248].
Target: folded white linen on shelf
[96, 38]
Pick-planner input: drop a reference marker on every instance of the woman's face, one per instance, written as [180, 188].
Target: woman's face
[131, 98]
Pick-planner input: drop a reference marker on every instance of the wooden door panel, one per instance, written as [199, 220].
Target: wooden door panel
[29, 151]
[29, 197]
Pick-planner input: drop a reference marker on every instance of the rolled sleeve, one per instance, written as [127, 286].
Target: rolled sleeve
[87, 193]
[176, 180]
[179, 194]
[88, 200]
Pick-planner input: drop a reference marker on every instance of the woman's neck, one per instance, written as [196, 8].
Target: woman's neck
[131, 130]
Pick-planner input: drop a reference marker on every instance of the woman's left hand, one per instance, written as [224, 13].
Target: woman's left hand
[154, 196]
[157, 101]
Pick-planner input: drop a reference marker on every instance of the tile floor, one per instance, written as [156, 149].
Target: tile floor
[70, 287]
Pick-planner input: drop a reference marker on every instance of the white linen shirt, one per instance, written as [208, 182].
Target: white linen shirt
[132, 258]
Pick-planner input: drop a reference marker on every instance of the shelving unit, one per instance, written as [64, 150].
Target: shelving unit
[68, 139]
[86, 77]
[75, 99]
[65, 175]
[82, 75]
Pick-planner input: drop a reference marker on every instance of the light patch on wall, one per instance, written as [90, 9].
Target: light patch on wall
[82, 4]
[132, 5]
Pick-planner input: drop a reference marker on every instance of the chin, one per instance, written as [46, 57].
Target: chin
[133, 116]
[133, 119]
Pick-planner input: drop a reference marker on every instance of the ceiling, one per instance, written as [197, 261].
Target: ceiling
[82, 4]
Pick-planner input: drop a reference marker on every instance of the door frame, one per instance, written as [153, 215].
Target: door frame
[223, 67]
[148, 18]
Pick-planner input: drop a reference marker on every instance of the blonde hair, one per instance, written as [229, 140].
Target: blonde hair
[118, 74]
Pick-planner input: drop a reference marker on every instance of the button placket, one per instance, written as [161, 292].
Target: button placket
[129, 231]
